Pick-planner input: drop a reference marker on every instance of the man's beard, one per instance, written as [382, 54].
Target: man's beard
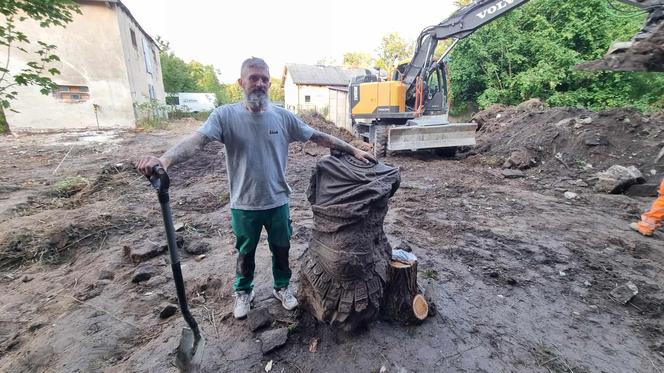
[256, 100]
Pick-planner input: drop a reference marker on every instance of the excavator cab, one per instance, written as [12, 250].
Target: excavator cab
[435, 89]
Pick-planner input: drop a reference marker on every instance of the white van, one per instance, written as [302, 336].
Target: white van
[192, 102]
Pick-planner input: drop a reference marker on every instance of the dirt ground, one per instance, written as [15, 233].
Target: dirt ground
[519, 274]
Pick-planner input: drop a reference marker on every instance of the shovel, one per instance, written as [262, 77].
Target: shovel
[190, 351]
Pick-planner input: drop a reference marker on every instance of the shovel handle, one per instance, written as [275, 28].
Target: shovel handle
[159, 179]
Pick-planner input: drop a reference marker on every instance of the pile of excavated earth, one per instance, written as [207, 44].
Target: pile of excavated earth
[578, 145]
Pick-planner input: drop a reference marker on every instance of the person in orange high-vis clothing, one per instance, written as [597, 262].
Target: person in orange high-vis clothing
[652, 219]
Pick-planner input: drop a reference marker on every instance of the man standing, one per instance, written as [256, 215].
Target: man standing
[256, 135]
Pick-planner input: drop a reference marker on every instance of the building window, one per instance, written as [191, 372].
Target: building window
[151, 92]
[307, 99]
[133, 39]
[154, 56]
[146, 55]
[71, 93]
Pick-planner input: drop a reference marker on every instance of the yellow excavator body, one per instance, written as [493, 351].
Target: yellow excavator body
[378, 97]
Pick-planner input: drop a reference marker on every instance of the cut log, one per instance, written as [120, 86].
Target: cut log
[420, 307]
[402, 301]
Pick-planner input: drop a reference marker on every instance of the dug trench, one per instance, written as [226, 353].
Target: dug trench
[520, 275]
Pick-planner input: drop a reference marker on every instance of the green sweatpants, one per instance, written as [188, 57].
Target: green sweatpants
[247, 226]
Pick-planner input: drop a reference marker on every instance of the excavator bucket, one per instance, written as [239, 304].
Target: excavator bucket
[429, 133]
[645, 52]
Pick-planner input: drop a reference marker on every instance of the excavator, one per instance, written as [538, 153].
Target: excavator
[409, 111]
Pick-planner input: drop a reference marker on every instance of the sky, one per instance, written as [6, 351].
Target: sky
[225, 33]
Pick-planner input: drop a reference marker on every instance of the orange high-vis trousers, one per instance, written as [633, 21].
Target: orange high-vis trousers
[652, 219]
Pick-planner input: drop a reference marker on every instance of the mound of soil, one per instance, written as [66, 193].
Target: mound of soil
[316, 121]
[570, 142]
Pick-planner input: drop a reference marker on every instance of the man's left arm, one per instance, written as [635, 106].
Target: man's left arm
[332, 142]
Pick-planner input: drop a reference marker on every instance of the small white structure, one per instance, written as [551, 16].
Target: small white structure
[320, 88]
[339, 110]
[192, 102]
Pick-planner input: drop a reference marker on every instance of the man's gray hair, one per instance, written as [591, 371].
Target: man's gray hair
[254, 62]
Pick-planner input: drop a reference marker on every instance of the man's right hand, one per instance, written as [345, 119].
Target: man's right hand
[147, 163]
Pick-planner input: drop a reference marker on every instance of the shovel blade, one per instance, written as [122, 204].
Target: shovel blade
[189, 355]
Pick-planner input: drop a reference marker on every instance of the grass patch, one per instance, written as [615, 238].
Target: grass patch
[224, 198]
[151, 124]
[69, 186]
[430, 274]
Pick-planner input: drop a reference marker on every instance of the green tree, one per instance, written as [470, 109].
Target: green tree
[36, 72]
[358, 59]
[180, 76]
[276, 91]
[176, 74]
[233, 93]
[206, 79]
[532, 52]
[393, 49]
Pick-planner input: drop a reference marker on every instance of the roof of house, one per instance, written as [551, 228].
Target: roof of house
[322, 75]
[120, 4]
[338, 88]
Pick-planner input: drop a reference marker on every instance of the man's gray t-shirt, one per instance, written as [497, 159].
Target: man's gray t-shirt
[256, 152]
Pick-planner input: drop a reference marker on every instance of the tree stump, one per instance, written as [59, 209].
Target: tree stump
[402, 301]
[344, 270]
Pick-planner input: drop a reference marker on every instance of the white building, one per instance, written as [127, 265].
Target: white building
[320, 88]
[109, 66]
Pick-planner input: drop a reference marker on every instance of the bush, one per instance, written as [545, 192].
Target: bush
[152, 114]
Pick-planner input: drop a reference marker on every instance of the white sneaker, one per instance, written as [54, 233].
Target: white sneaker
[285, 295]
[243, 303]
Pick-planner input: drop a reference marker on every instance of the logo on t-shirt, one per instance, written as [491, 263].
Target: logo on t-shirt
[274, 132]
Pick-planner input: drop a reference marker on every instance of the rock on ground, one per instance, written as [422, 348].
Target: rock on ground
[258, 318]
[143, 273]
[273, 339]
[617, 178]
[145, 253]
[512, 174]
[167, 310]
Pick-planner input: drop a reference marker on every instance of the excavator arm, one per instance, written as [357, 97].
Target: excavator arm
[470, 18]
[459, 25]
